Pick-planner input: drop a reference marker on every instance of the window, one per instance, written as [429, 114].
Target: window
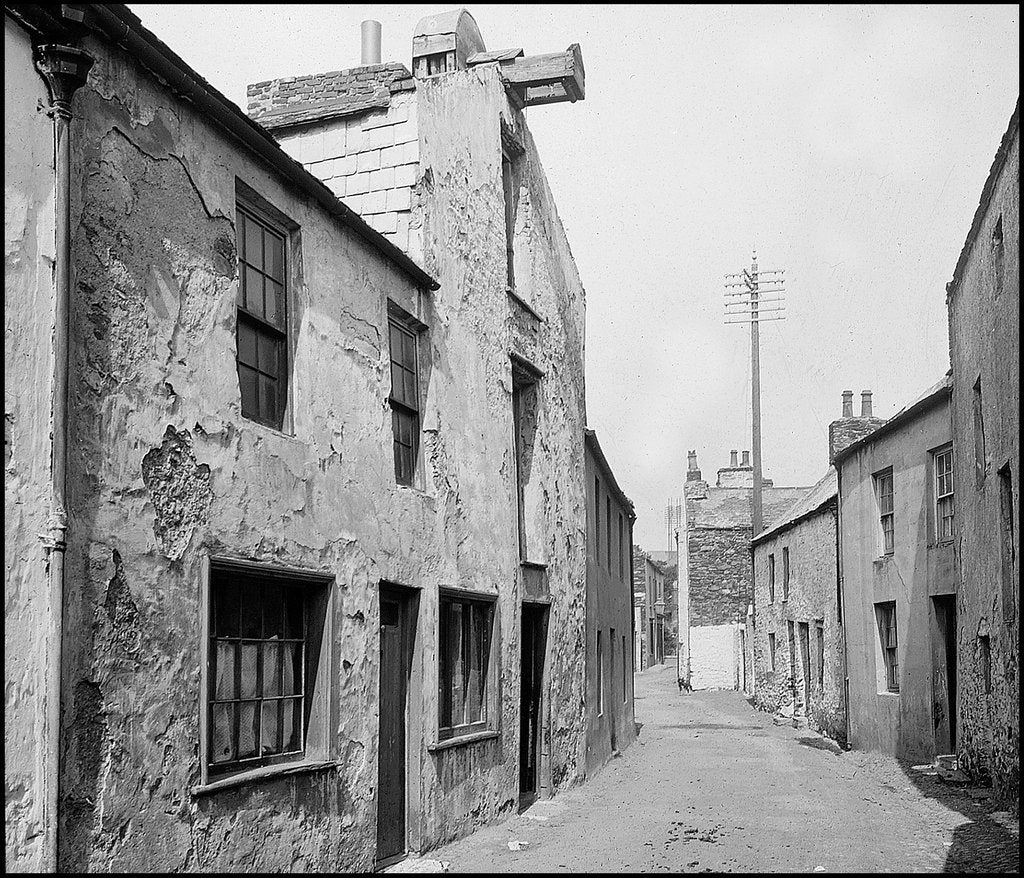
[263, 629]
[608, 526]
[525, 414]
[261, 339]
[405, 407]
[785, 573]
[611, 658]
[597, 521]
[464, 654]
[980, 461]
[1008, 547]
[884, 493]
[886, 615]
[944, 494]
[438, 62]
[621, 548]
[771, 578]
[771, 651]
[819, 630]
[600, 675]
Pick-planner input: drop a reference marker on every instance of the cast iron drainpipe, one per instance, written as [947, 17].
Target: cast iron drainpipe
[65, 69]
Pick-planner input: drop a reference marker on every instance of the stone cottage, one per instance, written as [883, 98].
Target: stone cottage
[307, 490]
[984, 349]
[715, 581]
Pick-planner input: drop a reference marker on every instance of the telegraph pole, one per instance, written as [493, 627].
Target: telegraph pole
[744, 304]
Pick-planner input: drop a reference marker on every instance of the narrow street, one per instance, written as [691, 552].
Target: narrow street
[713, 785]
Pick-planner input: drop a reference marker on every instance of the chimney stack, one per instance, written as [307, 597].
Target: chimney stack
[370, 43]
[746, 459]
[847, 403]
[865, 403]
[733, 455]
[692, 473]
[851, 428]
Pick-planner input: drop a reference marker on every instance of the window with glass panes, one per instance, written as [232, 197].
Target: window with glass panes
[944, 494]
[262, 349]
[257, 670]
[887, 633]
[405, 408]
[883, 489]
[464, 653]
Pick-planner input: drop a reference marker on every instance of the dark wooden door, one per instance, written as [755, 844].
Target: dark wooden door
[391, 751]
[944, 675]
[531, 667]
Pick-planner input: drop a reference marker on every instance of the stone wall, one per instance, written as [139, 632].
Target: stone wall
[984, 332]
[719, 575]
[28, 327]
[812, 600]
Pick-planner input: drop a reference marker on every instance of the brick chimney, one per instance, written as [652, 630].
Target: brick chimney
[692, 473]
[849, 429]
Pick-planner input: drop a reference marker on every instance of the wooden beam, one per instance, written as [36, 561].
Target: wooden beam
[547, 79]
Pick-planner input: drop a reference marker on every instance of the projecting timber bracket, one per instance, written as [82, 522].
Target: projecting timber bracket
[545, 79]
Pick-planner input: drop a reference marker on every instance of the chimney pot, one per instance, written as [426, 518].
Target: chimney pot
[847, 403]
[691, 464]
[865, 404]
[733, 457]
[370, 42]
[746, 458]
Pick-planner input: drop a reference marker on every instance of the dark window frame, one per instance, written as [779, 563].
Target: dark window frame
[889, 641]
[785, 573]
[886, 510]
[473, 609]
[600, 675]
[944, 489]
[771, 577]
[260, 371]
[404, 404]
[771, 650]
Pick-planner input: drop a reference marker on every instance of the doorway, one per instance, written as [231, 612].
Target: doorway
[531, 683]
[805, 663]
[397, 630]
[944, 673]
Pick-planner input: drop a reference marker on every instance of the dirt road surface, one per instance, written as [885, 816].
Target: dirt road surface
[711, 784]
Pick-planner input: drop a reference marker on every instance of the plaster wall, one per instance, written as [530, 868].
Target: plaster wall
[165, 473]
[28, 326]
[902, 724]
[812, 600]
[609, 604]
[715, 656]
[984, 332]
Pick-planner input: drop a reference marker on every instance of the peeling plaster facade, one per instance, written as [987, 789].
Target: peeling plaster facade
[984, 345]
[165, 474]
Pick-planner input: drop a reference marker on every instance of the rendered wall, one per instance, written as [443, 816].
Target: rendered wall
[984, 332]
[901, 724]
[812, 598]
[715, 656]
[609, 604]
[28, 324]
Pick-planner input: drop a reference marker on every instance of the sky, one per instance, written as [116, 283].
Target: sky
[847, 144]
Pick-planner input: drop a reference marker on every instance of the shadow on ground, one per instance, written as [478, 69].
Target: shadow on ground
[983, 844]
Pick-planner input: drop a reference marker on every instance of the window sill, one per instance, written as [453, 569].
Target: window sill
[523, 304]
[264, 772]
[889, 692]
[472, 738]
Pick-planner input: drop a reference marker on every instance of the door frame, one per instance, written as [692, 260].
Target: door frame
[408, 598]
[541, 608]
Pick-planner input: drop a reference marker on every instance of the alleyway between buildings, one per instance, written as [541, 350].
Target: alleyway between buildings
[713, 785]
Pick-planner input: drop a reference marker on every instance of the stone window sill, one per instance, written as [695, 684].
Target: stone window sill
[264, 772]
[473, 738]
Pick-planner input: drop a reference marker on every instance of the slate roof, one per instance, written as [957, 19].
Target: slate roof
[816, 497]
[726, 508]
[295, 100]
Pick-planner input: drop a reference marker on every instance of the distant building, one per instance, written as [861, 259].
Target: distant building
[610, 516]
[898, 590]
[649, 596]
[984, 347]
[668, 563]
[715, 581]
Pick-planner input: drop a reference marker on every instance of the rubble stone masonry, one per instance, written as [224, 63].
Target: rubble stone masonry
[984, 346]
